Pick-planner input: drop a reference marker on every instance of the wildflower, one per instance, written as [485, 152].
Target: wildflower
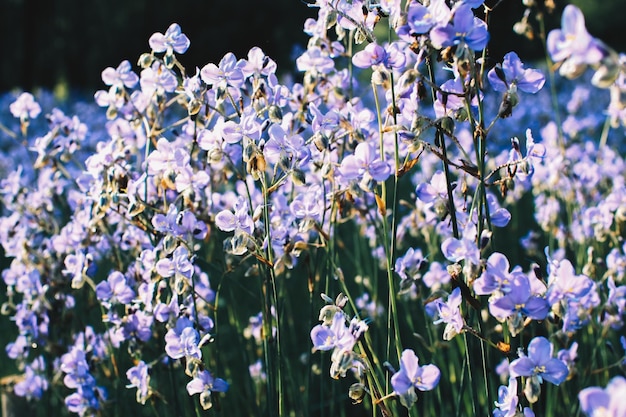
[25, 107]
[411, 376]
[597, 402]
[512, 75]
[538, 365]
[120, 76]
[572, 44]
[172, 40]
[227, 73]
[507, 400]
[450, 314]
[365, 165]
[115, 290]
[373, 54]
[204, 384]
[182, 341]
[465, 30]
[140, 379]
[422, 19]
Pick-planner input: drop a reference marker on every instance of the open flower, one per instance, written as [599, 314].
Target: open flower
[411, 376]
[204, 383]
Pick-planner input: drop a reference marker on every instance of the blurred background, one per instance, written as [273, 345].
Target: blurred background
[69, 42]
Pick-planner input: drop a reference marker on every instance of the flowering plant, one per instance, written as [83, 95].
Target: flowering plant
[187, 225]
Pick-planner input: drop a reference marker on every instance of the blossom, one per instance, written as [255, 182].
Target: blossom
[411, 376]
[364, 164]
[598, 402]
[450, 314]
[120, 76]
[140, 379]
[204, 383]
[183, 340]
[539, 363]
[421, 18]
[172, 40]
[115, 289]
[465, 29]
[374, 54]
[25, 107]
[227, 73]
[507, 400]
[512, 74]
[519, 300]
[572, 44]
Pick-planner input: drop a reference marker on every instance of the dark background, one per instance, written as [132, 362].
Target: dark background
[46, 42]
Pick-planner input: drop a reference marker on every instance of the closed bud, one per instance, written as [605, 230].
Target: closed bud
[145, 60]
[298, 177]
[357, 392]
[275, 114]
[380, 78]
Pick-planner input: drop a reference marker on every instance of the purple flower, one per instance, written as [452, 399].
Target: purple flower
[421, 19]
[204, 383]
[316, 61]
[450, 314]
[507, 400]
[25, 107]
[539, 363]
[173, 39]
[373, 54]
[227, 73]
[465, 29]
[115, 289]
[564, 284]
[365, 165]
[572, 44]
[239, 220]
[157, 79]
[140, 379]
[411, 376]
[34, 383]
[182, 341]
[512, 73]
[596, 401]
[122, 76]
[178, 266]
[519, 300]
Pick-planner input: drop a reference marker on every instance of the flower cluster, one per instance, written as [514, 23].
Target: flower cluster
[197, 207]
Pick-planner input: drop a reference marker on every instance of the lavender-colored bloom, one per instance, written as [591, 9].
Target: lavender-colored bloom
[421, 19]
[572, 44]
[436, 276]
[373, 54]
[596, 402]
[115, 289]
[507, 400]
[519, 300]
[456, 250]
[239, 220]
[410, 265]
[465, 29]
[179, 266]
[495, 277]
[227, 73]
[411, 376]
[172, 40]
[204, 383]
[257, 63]
[564, 283]
[123, 75]
[34, 383]
[157, 79]
[182, 341]
[525, 79]
[364, 164]
[450, 314]
[140, 379]
[539, 363]
[25, 107]
[316, 61]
